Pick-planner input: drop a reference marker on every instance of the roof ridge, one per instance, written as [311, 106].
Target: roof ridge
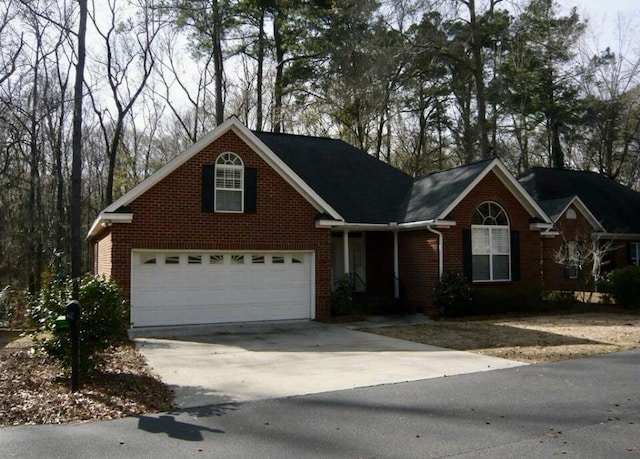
[309, 136]
[474, 163]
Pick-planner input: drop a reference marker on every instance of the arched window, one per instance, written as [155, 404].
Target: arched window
[490, 243]
[229, 183]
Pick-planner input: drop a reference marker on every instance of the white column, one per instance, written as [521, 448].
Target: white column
[345, 250]
[396, 274]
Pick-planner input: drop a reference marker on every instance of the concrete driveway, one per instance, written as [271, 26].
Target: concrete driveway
[246, 362]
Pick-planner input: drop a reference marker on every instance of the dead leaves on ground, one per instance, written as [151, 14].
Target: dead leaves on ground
[35, 390]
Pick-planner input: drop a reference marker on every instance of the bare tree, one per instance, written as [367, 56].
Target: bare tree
[185, 92]
[127, 42]
[75, 207]
[584, 258]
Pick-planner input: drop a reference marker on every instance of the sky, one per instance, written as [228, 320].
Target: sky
[604, 15]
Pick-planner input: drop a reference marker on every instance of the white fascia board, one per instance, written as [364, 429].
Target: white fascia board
[344, 226]
[512, 185]
[428, 224]
[106, 219]
[618, 236]
[540, 226]
[245, 134]
[586, 213]
[326, 223]
[549, 234]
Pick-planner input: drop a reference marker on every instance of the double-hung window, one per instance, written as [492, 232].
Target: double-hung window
[229, 178]
[572, 259]
[490, 244]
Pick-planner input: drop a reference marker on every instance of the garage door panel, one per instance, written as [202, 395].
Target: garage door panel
[215, 289]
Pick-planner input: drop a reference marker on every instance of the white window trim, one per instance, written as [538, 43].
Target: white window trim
[635, 257]
[215, 183]
[491, 253]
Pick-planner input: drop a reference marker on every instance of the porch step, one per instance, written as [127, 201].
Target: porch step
[366, 304]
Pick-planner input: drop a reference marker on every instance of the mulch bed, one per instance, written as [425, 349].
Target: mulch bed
[35, 390]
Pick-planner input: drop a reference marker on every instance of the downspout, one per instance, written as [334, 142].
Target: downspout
[396, 272]
[440, 251]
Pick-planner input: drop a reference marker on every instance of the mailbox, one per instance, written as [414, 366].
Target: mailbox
[61, 324]
[73, 311]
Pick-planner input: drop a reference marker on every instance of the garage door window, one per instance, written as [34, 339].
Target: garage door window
[149, 260]
[195, 259]
[237, 259]
[172, 260]
[216, 259]
[228, 187]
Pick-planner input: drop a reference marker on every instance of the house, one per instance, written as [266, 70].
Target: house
[254, 226]
[587, 210]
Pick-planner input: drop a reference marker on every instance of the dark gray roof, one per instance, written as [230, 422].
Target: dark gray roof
[554, 207]
[614, 205]
[433, 193]
[359, 187]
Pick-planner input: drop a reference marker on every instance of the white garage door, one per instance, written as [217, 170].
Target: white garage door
[171, 288]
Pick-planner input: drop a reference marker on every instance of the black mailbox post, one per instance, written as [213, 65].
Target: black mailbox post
[73, 313]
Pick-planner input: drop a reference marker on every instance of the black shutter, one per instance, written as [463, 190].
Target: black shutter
[250, 189]
[630, 248]
[208, 182]
[515, 255]
[467, 259]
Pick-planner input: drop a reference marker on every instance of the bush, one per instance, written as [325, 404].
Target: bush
[624, 286]
[103, 320]
[452, 295]
[341, 299]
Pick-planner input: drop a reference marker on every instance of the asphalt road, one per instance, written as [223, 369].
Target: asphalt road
[588, 408]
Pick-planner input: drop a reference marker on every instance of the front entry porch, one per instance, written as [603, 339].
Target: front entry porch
[371, 261]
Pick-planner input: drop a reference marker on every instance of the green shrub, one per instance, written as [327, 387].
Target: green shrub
[624, 286]
[103, 320]
[341, 299]
[452, 295]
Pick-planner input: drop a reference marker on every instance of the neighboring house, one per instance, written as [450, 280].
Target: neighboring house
[585, 207]
[254, 226]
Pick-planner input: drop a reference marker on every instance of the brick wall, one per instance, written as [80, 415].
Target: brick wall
[418, 268]
[169, 216]
[102, 255]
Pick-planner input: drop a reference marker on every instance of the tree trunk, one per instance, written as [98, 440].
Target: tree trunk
[76, 162]
[260, 72]
[218, 63]
[478, 75]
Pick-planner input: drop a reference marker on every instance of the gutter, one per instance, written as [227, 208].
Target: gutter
[106, 219]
